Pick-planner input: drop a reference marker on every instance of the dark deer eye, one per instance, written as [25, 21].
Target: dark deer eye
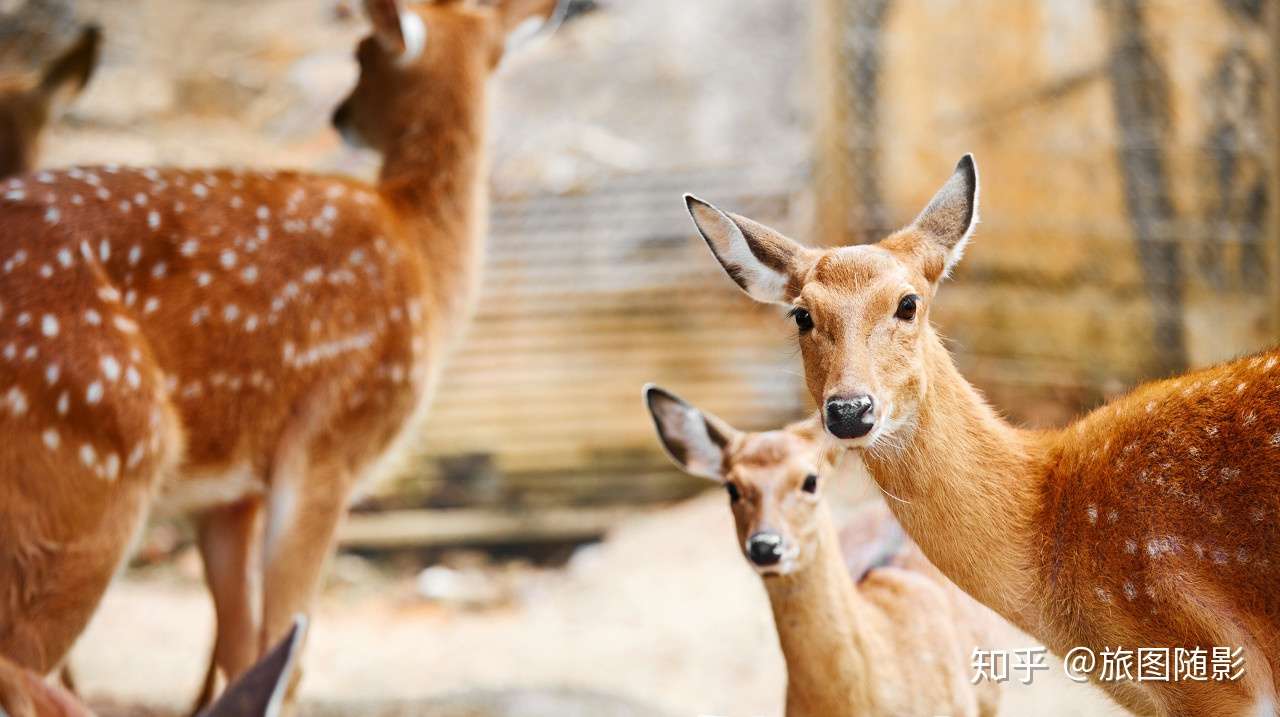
[907, 307]
[734, 495]
[803, 320]
[810, 483]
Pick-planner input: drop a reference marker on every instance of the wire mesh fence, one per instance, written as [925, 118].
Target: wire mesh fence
[1127, 156]
[1127, 151]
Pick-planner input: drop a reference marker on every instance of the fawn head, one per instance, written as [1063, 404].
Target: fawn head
[416, 52]
[774, 479]
[26, 107]
[861, 312]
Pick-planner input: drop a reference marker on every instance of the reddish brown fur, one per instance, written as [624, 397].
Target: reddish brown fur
[235, 340]
[1150, 522]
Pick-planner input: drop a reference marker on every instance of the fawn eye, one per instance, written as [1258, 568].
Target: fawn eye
[810, 483]
[734, 495]
[907, 307]
[803, 320]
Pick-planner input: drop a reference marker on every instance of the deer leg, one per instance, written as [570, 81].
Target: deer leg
[303, 514]
[228, 538]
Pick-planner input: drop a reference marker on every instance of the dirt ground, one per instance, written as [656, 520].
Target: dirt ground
[662, 618]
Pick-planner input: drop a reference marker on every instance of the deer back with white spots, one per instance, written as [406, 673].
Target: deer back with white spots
[247, 344]
[1151, 522]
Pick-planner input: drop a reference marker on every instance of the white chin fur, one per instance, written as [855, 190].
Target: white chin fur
[415, 37]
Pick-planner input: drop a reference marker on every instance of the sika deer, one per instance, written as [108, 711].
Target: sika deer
[26, 106]
[1150, 522]
[247, 342]
[893, 638]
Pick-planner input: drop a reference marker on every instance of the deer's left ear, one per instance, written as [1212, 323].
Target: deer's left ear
[68, 75]
[947, 223]
[760, 260]
[522, 20]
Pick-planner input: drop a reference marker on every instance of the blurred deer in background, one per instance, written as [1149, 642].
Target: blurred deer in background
[27, 105]
[259, 692]
[885, 635]
[1150, 522]
[249, 343]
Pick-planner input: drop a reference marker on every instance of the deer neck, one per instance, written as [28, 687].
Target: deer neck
[821, 620]
[434, 177]
[965, 486]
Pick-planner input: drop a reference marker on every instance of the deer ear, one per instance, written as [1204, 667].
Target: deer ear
[696, 441]
[68, 75]
[385, 16]
[947, 223]
[759, 259]
[261, 690]
[522, 20]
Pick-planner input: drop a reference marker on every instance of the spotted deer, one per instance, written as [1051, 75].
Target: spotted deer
[28, 104]
[866, 624]
[249, 344]
[1149, 522]
[259, 692]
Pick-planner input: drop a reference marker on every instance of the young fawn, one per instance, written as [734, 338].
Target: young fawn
[1150, 522]
[245, 342]
[259, 692]
[894, 638]
[27, 105]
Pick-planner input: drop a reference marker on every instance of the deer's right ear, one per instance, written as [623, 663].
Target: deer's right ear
[696, 441]
[759, 259]
[68, 75]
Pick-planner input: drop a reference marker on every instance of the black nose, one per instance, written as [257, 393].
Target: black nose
[764, 548]
[339, 118]
[850, 417]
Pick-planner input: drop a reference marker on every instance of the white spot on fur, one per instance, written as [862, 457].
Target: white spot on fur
[49, 325]
[94, 393]
[110, 368]
[17, 401]
[51, 439]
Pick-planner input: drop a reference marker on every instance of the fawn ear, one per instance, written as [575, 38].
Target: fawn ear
[947, 223]
[759, 259]
[696, 441]
[260, 692]
[67, 76]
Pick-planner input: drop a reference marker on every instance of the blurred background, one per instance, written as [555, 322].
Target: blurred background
[532, 558]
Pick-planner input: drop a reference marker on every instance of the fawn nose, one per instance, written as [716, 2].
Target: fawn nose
[850, 417]
[764, 548]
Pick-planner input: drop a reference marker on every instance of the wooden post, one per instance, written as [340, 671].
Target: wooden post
[1272, 105]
